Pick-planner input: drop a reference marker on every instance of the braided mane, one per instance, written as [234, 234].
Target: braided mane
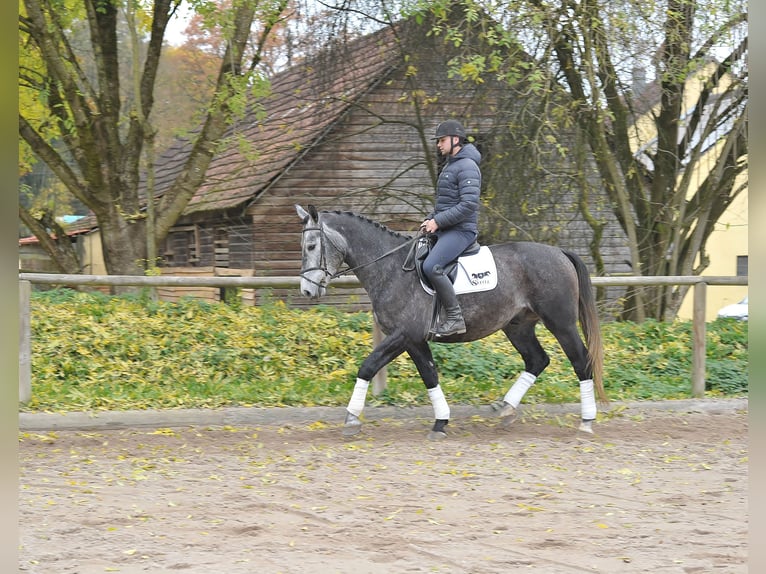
[371, 221]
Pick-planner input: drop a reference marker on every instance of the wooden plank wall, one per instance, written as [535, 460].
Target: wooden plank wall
[209, 294]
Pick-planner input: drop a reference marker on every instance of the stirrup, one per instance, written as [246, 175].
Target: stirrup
[450, 327]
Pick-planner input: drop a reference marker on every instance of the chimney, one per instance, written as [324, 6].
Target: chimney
[639, 80]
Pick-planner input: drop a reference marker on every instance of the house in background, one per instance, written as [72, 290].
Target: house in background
[727, 246]
[83, 232]
[348, 130]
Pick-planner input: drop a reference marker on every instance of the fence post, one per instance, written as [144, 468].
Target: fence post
[25, 343]
[379, 380]
[699, 331]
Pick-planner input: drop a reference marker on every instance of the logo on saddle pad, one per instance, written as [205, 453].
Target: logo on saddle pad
[475, 273]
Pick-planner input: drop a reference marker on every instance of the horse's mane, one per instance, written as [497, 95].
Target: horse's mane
[370, 221]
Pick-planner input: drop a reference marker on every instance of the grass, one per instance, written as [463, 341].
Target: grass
[94, 352]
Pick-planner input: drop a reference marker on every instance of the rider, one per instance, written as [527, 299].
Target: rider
[455, 217]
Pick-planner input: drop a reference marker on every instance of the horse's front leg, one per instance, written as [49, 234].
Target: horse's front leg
[424, 361]
[386, 351]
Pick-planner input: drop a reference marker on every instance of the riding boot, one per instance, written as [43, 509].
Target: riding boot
[453, 323]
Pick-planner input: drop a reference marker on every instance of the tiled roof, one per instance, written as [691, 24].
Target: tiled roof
[83, 225]
[305, 101]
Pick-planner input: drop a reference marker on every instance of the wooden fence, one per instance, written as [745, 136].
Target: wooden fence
[699, 285]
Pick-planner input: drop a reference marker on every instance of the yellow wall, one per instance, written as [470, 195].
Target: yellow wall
[724, 245]
[92, 255]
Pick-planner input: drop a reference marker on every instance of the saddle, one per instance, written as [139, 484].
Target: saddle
[474, 270]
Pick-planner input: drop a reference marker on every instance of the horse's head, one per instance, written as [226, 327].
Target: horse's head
[322, 252]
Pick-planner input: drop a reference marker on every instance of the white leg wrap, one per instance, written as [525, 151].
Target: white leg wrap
[519, 388]
[587, 400]
[356, 404]
[441, 408]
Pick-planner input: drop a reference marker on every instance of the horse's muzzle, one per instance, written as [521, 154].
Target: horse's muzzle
[312, 289]
[314, 293]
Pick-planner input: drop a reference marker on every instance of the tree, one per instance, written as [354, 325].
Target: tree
[671, 153]
[86, 121]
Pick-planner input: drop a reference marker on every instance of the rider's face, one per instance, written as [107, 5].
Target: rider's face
[444, 144]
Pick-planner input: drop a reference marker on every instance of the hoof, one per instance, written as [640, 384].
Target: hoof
[352, 426]
[437, 435]
[437, 431]
[508, 415]
[586, 426]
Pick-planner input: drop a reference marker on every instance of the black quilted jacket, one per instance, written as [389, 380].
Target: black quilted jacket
[457, 191]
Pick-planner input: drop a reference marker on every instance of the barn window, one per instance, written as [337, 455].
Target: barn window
[182, 247]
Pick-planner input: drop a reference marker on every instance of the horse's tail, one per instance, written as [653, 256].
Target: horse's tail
[590, 324]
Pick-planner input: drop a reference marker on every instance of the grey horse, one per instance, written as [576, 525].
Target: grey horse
[535, 282]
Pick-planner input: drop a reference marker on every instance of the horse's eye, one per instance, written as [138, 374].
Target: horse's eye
[311, 247]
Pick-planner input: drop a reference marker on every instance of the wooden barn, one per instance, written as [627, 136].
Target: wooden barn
[349, 129]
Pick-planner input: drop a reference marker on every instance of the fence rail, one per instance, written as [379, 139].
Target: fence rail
[699, 284]
[340, 282]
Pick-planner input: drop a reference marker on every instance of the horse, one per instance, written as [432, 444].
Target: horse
[535, 282]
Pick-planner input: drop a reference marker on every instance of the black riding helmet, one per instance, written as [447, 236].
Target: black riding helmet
[450, 128]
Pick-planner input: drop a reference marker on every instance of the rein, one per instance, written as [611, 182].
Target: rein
[323, 259]
[386, 254]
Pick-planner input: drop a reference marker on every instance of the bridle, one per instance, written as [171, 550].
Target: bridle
[323, 257]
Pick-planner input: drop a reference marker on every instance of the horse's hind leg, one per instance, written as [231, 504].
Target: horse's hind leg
[522, 336]
[577, 353]
[420, 353]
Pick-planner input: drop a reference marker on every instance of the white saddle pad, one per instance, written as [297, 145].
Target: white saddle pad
[474, 273]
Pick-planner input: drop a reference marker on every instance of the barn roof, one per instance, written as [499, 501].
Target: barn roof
[306, 100]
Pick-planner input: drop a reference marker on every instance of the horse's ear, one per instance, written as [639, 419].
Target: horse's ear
[314, 213]
[302, 213]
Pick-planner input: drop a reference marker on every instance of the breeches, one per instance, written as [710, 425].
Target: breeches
[449, 245]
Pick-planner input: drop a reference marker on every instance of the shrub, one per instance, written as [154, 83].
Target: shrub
[92, 351]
